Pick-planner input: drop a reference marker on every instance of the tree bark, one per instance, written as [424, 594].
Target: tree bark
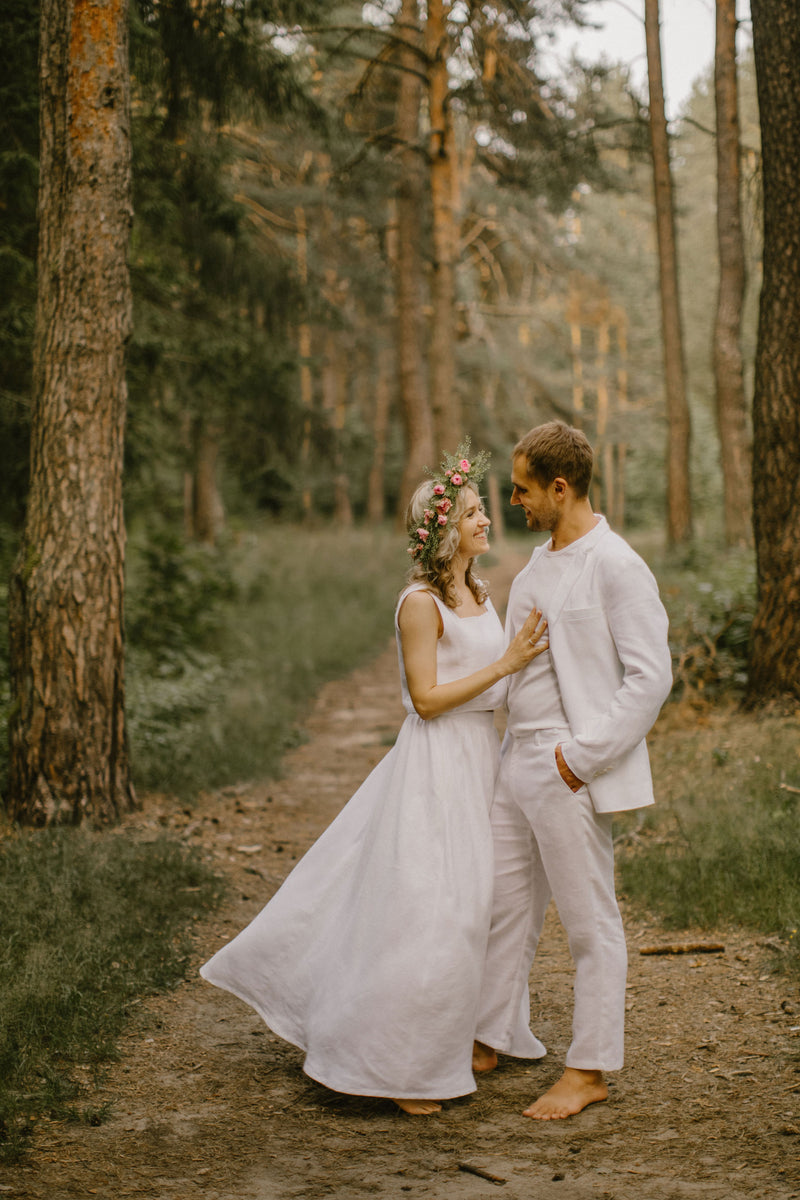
[208, 511]
[732, 419]
[679, 517]
[443, 181]
[381, 409]
[775, 641]
[414, 407]
[68, 746]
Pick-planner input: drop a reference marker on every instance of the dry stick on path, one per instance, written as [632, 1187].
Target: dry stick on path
[479, 1171]
[685, 948]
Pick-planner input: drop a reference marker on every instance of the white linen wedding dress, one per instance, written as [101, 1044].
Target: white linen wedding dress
[369, 957]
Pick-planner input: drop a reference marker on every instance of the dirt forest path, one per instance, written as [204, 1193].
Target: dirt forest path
[208, 1103]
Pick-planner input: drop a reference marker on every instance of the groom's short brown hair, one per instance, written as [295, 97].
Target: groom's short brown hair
[558, 449]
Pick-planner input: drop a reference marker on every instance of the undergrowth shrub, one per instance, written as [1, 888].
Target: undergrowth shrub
[711, 611]
[722, 844]
[90, 922]
[224, 699]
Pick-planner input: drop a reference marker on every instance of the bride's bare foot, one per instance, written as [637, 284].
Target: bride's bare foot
[573, 1092]
[484, 1057]
[419, 1108]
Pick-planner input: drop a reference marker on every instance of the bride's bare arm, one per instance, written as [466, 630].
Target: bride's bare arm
[420, 626]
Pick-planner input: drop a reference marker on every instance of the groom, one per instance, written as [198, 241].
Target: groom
[574, 754]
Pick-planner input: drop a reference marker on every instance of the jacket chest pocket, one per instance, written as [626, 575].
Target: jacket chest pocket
[575, 615]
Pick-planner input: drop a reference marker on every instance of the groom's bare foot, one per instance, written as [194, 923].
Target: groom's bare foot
[573, 1092]
[484, 1058]
[419, 1108]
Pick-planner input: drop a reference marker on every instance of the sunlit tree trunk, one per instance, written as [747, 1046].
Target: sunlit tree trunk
[414, 407]
[443, 182]
[68, 744]
[728, 371]
[679, 516]
[775, 642]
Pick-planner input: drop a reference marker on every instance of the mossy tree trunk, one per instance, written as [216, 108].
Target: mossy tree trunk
[775, 643]
[68, 746]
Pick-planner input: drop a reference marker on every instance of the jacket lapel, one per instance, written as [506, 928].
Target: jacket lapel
[570, 577]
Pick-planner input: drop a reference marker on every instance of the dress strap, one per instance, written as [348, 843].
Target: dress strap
[419, 587]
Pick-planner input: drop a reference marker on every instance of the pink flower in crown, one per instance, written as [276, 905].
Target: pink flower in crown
[448, 473]
[442, 519]
[427, 515]
[444, 506]
[438, 489]
[422, 534]
[464, 465]
[456, 479]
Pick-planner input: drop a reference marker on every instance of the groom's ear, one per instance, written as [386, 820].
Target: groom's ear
[560, 487]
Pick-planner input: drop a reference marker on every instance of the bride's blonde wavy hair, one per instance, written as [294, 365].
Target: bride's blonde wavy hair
[436, 574]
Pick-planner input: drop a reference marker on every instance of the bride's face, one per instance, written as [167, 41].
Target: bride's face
[473, 528]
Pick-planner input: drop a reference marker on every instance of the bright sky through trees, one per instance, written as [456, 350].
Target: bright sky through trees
[687, 32]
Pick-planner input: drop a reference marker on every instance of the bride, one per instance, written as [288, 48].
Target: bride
[369, 956]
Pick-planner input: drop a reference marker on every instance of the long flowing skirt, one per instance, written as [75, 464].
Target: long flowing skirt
[369, 957]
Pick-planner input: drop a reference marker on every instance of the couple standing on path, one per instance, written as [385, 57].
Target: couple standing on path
[397, 953]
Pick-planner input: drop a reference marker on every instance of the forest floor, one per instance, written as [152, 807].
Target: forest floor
[206, 1102]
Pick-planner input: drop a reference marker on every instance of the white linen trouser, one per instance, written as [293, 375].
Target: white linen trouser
[549, 841]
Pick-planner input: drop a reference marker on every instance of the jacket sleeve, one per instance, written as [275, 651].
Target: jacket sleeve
[638, 627]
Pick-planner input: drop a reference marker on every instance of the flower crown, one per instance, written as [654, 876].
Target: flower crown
[456, 473]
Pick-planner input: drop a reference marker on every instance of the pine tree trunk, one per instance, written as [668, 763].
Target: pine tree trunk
[208, 511]
[679, 519]
[68, 745]
[304, 354]
[728, 370]
[380, 432]
[775, 642]
[414, 407]
[443, 167]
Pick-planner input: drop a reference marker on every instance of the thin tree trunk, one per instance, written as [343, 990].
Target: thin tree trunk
[442, 165]
[679, 516]
[775, 641]
[604, 454]
[622, 405]
[414, 407]
[68, 744]
[380, 431]
[333, 400]
[208, 511]
[304, 355]
[728, 369]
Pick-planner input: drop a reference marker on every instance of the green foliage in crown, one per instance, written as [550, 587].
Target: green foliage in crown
[456, 472]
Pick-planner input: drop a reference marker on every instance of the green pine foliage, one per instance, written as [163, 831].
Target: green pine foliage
[19, 173]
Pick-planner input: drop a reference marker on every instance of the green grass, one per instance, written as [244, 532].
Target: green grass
[722, 844]
[227, 650]
[90, 922]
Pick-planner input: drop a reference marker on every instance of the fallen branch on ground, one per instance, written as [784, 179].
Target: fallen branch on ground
[685, 948]
[479, 1171]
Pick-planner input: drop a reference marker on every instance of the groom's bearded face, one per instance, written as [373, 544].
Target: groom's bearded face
[541, 511]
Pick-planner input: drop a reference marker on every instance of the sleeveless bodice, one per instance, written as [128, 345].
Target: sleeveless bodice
[466, 645]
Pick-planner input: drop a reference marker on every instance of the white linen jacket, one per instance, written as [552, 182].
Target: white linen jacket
[607, 630]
